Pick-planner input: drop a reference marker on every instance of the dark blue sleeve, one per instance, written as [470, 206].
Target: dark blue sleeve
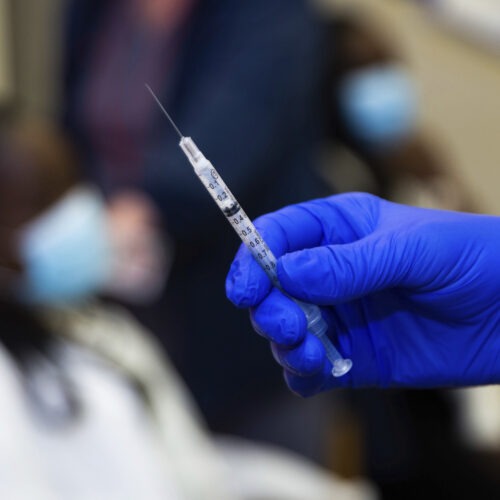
[82, 19]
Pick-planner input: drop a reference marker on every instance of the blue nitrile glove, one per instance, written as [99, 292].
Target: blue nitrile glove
[411, 295]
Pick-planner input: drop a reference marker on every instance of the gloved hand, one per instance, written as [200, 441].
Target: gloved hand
[411, 295]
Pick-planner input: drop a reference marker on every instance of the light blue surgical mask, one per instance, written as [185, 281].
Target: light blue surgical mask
[379, 104]
[65, 251]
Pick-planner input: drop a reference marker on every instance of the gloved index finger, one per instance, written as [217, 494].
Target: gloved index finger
[338, 219]
[292, 228]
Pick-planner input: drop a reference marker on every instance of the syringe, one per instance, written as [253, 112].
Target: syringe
[245, 229]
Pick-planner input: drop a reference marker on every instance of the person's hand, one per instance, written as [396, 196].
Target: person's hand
[411, 295]
[141, 256]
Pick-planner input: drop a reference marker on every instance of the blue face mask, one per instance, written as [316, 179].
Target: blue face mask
[65, 251]
[379, 105]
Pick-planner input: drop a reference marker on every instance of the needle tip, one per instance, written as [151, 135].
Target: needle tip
[164, 110]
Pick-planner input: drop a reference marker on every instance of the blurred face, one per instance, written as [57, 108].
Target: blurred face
[36, 170]
[26, 190]
[160, 13]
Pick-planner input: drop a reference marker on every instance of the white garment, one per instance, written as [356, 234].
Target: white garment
[111, 450]
[480, 415]
[121, 447]
[478, 19]
[187, 451]
[262, 471]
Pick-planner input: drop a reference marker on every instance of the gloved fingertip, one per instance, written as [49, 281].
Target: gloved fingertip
[246, 284]
[304, 360]
[279, 319]
[312, 357]
[308, 386]
[235, 292]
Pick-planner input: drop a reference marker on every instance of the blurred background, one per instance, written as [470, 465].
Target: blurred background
[400, 98]
[455, 69]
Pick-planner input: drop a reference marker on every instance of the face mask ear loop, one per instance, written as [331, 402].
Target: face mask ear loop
[45, 374]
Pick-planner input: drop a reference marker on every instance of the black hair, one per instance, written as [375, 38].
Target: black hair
[26, 338]
[31, 344]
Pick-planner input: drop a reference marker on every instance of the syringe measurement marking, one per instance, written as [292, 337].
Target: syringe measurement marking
[221, 193]
[258, 248]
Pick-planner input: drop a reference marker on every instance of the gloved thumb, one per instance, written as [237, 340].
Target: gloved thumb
[338, 273]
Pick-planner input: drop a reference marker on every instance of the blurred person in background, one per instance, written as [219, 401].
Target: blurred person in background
[372, 106]
[410, 439]
[242, 78]
[83, 415]
[90, 408]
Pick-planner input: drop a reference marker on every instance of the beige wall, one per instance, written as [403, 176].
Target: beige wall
[37, 26]
[6, 77]
[459, 84]
[460, 91]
